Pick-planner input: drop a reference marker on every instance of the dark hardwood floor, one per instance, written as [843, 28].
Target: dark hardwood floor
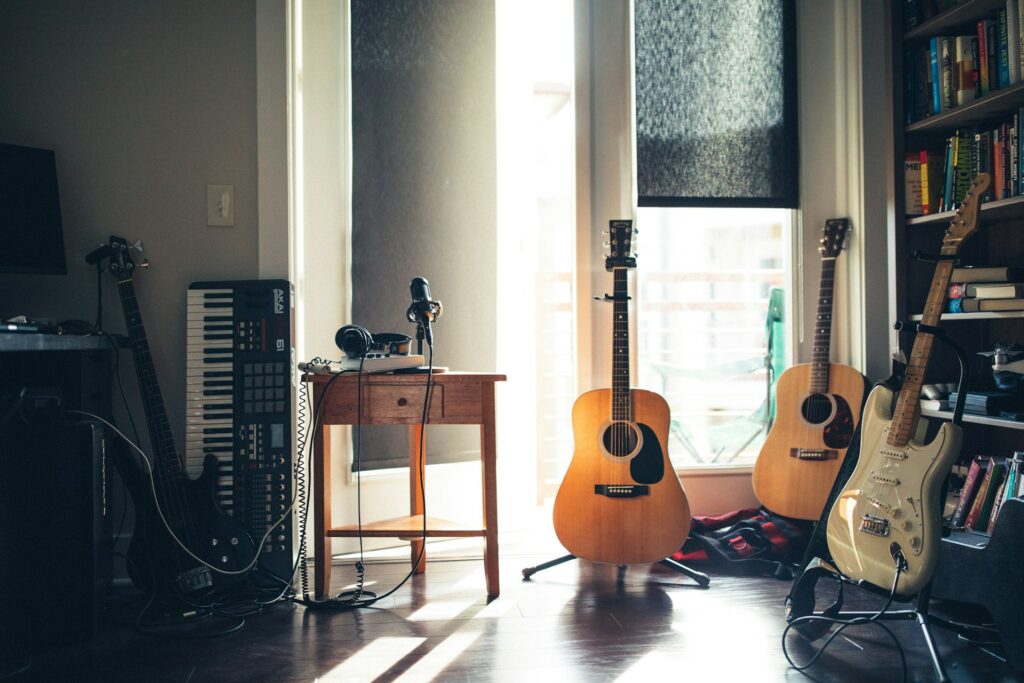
[574, 622]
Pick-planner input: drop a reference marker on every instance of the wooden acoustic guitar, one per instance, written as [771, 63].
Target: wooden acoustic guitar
[620, 501]
[889, 513]
[817, 409]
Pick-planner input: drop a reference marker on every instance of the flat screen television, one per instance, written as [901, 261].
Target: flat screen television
[31, 236]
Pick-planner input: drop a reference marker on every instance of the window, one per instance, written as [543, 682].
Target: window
[705, 283]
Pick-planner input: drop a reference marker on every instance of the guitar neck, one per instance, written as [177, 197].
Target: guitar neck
[821, 351]
[620, 347]
[166, 463]
[904, 422]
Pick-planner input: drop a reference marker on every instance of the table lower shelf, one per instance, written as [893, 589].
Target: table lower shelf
[409, 528]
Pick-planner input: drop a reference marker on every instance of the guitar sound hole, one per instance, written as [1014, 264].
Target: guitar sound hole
[817, 408]
[620, 439]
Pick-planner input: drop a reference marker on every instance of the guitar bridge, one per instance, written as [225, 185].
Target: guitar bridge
[876, 526]
[813, 453]
[195, 579]
[621, 490]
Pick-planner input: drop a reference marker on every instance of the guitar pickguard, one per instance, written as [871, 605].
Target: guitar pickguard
[839, 432]
[648, 466]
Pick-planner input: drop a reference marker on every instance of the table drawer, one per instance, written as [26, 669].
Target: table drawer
[402, 402]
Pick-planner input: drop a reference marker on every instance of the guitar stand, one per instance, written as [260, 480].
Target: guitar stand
[800, 601]
[701, 578]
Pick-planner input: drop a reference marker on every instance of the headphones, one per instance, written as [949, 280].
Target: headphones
[357, 342]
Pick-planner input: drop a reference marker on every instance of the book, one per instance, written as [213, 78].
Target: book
[996, 474]
[983, 57]
[989, 402]
[993, 290]
[962, 175]
[966, 76]
[934, 50]
[947, 66]
[979, 497]
[992, 40]
[997, 501]
[929, 183]
[1013, 41]
[1004, 50]
[957, 290]
[955, 305]
[997, 163]
[933, 404]
[983, 150]
[968, 274]
[990, 305]
[970, 488]
[912, 184]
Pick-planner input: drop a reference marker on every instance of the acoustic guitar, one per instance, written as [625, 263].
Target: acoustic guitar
[166, 500]
[620, 501]
[817, 409]
[889, 513]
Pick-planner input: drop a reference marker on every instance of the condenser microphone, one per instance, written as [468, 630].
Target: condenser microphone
[423, 311]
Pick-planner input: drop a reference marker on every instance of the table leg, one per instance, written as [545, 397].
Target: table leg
[416, 547]
[322, 508]
[488, 457]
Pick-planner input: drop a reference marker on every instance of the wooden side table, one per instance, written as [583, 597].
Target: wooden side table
[456, 398]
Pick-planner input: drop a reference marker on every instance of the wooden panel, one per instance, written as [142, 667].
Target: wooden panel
[409, 527]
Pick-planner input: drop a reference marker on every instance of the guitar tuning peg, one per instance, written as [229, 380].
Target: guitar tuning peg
[606, 243]
[144, 264]
[137, 246]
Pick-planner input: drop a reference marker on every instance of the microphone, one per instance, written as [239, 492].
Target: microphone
[423, 311]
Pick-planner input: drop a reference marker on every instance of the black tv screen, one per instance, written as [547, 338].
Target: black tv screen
[31, 237]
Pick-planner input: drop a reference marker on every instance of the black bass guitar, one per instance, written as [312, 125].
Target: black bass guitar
[168, 501]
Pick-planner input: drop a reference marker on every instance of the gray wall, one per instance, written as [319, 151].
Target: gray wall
[424, 195]
[145, 103]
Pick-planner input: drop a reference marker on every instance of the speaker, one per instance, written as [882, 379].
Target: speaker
[55, 531]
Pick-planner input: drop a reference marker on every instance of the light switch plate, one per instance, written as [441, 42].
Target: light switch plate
[220, 205]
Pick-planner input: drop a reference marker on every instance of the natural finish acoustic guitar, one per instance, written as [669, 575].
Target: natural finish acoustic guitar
[889, 513]
[817, 409]
[620, 501]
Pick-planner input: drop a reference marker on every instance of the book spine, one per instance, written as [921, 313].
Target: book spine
[955, 306]
[926, 205]
[1014, 189]
[947, 55]
[970, 489]
[1005, 138]
[997, 164]
[947, 183]
[965, 75]
[933, 56]
[992, 38]
[909, 14]
[963, 166]
[979, 496]
[982, 58]
[1004, 51]
[967, 493]
[976, 62]
[957, 290]
[998, 470]
[997, 502]
[1012, 42]
[909, 85]
[985, 163]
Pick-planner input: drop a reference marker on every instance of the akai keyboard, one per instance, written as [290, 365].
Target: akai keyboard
[240, 397]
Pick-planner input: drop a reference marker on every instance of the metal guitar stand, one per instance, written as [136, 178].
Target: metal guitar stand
[800, 602]
[701, 578]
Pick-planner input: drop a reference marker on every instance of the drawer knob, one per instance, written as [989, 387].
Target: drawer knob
[402, 401]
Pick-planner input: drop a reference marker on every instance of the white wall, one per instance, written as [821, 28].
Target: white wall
[144, 103]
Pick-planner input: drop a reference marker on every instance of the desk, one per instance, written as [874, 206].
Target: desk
[456, 398]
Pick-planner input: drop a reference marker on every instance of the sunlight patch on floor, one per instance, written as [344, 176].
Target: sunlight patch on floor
[435, 661]
[372, 660]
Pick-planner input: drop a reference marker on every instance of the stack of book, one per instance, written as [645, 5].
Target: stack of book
[987, 288]
[951, 71]
[990, 402]
[990, 482]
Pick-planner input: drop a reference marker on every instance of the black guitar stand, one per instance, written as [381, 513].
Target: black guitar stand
[701, 578]
[801, 598]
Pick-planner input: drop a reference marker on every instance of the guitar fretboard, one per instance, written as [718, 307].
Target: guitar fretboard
[620, 347]
[823, 327]
[166, 464]
[904, 420]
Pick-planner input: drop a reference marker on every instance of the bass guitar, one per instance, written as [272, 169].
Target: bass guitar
[887, 519]
[166, 501]
[818, 407]
[620, 501]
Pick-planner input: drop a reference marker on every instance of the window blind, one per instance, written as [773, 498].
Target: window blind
[716, 115]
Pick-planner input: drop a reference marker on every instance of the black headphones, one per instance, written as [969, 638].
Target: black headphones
[357, 342]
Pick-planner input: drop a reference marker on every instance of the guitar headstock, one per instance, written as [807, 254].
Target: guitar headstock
[620, 240]
[833, 238]
[121, 263]
[965, 222]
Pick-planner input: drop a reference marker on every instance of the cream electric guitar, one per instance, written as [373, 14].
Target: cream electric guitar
[620, 501]
[818, 408]
[889, 513]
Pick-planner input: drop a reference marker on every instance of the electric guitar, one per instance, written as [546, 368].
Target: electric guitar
[620, 501]
[889, 513]
[818, 407]
[188, 507]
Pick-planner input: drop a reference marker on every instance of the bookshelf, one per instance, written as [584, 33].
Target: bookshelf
[999, 241]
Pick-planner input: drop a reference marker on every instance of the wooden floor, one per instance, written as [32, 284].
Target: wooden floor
[574, 622]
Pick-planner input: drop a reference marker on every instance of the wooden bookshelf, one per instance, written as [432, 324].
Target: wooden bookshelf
[999, 210]
[971, 418]
[981, 315]
[979, 111]
[960, 16]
